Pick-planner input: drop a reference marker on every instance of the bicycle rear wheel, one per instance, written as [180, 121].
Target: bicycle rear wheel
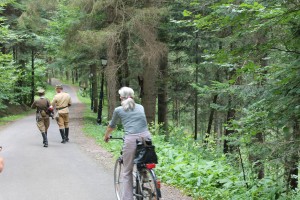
[118, 178]
[149, 184]
[137, 194]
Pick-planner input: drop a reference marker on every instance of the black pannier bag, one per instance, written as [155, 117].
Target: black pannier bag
[145, 152]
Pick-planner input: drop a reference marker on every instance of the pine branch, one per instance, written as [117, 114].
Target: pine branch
[287, 51]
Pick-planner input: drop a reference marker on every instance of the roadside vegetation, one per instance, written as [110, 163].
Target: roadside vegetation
[201, 171]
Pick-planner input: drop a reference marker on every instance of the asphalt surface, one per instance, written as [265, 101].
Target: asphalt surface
[59, 172]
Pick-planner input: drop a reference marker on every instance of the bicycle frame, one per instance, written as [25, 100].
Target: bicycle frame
[140, 190]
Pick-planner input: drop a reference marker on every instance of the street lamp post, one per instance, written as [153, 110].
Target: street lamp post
[101, 94]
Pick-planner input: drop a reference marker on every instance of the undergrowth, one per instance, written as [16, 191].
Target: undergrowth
[200, 172]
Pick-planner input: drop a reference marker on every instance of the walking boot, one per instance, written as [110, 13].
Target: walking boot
[45, 140]
[46, 137]
[62, 133]
[67, 134]
[46, 133]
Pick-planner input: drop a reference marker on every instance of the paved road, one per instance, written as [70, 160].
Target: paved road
[59, 172]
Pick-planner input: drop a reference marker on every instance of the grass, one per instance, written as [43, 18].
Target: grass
[96, 131]
[11, 118]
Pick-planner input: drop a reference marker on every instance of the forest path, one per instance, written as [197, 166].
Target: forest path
[59, 172]
[78, 170]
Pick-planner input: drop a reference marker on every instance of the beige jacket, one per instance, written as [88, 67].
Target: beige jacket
[62, 101]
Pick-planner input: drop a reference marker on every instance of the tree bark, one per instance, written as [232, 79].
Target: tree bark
[228, 148]
[76, 75]
[32, 77]
[176, 111]
[111, 74]
[149, 91]
[211, 118]
[94, 87]
[73, 77]
[101, 95]
[230, 116]
[67, 74]
[197, 61]
[292, 164]
[124, 58]
[162, 94]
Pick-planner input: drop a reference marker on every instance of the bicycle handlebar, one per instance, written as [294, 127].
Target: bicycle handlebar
[116, 138]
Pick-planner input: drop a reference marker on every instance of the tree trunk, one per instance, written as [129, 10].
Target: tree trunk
[149, 91]
[67, 74]
[230, 116]
[94, 87]
[21, 98]
[32, 77]
[73, 77]
[111, 74]
[197, 61]
[293, 162]
[162, 94]
[76, 75]
[91, 88]
[124, 58]
[176, 111]
[228, 148]
[176, 104]
[2, 49]
[211, 118]
[101, 95]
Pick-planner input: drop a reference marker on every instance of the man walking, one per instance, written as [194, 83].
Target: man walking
[42, 117]
[62, 102]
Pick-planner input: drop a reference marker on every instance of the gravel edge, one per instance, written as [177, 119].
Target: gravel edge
[102, 156]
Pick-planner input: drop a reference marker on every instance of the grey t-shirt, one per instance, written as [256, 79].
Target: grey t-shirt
[134, 121]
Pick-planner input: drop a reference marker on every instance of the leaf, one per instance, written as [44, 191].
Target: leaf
[187, 13]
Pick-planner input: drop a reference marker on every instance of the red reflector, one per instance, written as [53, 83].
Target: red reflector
[150, 166]
[158, 184]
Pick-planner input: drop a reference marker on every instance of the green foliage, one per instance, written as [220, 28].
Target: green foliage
[50, 92]
[245, 53]
[187, 164]
[91, 128]
[6, 85]
[253, 52]
[12, 118]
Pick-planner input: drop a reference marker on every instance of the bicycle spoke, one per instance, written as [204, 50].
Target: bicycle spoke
[117, 178]
[149, 185]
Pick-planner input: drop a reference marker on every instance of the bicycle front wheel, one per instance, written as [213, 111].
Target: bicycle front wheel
[150, 186]
[118, 178]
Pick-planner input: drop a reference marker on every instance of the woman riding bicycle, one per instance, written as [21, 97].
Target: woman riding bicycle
[133, 119]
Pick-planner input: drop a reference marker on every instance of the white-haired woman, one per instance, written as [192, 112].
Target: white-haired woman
[133, 119]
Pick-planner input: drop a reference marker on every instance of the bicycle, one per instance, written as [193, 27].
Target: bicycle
[145, 184]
